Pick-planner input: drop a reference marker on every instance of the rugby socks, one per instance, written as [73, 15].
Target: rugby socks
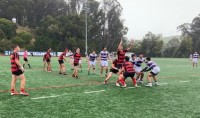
[134, 81]
[12, 90]
[29, 65]
[122, 81]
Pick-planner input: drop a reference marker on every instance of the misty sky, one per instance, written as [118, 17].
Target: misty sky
[157, 16]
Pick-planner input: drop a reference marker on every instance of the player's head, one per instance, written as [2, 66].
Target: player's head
[78, 50]
[16, 47]
[66, 50]
[104, 48]
[93, 52]
[70, 51]
[141, 55]
[127, 58]
[133, 56]
[195, 52]
[148, 59]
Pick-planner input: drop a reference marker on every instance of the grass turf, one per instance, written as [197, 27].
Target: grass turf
[55, 96]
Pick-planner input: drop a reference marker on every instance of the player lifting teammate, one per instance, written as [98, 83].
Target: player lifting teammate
[61, 62]
[26, 59]
[77, 57]
[92, 62]
[129, 71]
[17, 71]
[155, 70]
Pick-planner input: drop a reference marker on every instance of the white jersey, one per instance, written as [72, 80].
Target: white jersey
[104, 55]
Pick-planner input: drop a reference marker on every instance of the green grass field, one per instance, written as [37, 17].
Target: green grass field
[56, 96]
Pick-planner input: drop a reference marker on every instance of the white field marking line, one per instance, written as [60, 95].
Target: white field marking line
[160, 84]
[45, 97]
[194, 75]
[184, 81]
[132, 87]
[54, 96]
[94, 91]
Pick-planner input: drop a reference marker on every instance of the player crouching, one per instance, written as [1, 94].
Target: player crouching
[154, 71]
[128, 72]
[114, 70]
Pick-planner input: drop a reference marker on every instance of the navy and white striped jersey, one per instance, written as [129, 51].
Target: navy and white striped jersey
[195, 56]
[92, 57]
[139, 61]
[104, 55]
[151, 64]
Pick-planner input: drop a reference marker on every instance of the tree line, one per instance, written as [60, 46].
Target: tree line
[60, 24]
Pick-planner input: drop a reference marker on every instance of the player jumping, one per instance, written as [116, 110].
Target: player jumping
[155, 70]
[17, 71]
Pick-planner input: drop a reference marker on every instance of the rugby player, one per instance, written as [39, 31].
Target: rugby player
[92, 62]
[77, 56]
[17, 71]
[155, 70]
[195, 58]
[104, 56]
[61, 60]
[26, 59]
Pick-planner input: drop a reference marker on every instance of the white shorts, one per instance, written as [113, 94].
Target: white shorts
[195, 60]
[104, 63]
[137, 69]
[156, 70]
[92, 63]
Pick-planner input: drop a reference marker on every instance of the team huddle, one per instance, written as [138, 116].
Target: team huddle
[124, 66]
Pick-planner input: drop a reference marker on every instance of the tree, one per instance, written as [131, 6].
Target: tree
[171, 48]
[185, 47]
[152, 45]
[7, 28]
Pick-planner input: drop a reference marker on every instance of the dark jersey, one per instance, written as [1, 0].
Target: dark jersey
[121, 56]
[115, 63]
[128, 66]
[77, 57]
[13, 57]
[61, 57]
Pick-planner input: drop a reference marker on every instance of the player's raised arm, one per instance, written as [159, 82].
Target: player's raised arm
[131, 45]
[120, 44]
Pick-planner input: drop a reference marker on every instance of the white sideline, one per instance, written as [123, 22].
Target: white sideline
[163, 84]
[94, 91]
[132, 87]
[45, 97]
[54, 96]
[184, 81]
[194, 76]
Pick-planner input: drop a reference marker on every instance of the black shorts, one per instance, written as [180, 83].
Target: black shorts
[126, 75]
[114, 70]
[153, 73]
[76, 64]
[48, 60]
[60, 62]
[119, 66]
[17, 73]
[25, 59]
